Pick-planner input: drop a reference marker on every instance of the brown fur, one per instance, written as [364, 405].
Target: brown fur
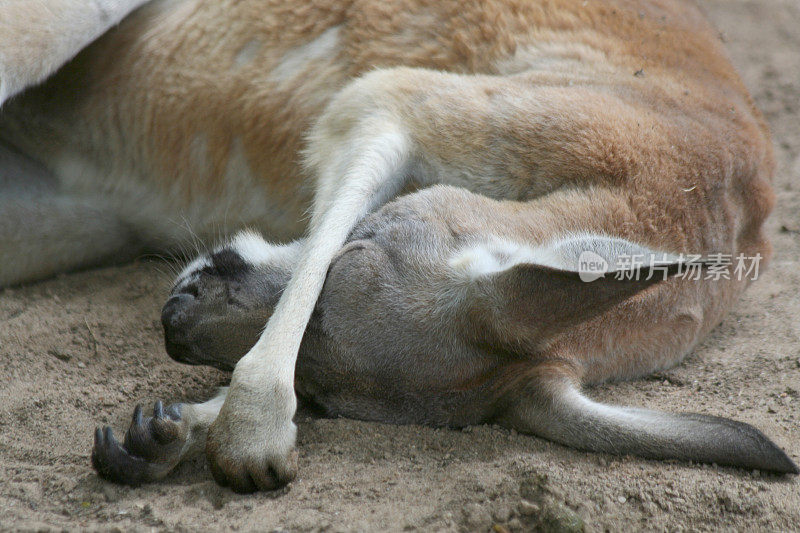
[618, 118]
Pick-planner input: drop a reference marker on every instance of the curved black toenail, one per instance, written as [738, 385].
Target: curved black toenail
[158, 409]
[137, 415]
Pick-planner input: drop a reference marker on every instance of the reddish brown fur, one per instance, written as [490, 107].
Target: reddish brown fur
[149, 73]
[621, 118]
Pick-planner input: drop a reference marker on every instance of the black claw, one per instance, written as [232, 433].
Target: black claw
[158, 409]
[151, 447]
[218, 475]
[114, 463]
[137, 415]
[108, 436]
[243, 484]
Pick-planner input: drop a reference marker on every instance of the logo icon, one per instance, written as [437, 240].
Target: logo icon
[591, 266]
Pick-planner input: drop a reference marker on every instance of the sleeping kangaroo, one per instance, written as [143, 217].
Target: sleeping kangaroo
[469, 168]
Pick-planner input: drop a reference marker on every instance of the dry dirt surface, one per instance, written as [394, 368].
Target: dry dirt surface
[83, 349]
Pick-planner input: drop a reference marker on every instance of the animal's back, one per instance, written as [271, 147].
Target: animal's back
[200, 109]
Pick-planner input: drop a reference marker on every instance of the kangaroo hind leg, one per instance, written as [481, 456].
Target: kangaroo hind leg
[45, 231]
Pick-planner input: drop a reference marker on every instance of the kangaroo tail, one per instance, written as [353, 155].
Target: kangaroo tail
[564, 415]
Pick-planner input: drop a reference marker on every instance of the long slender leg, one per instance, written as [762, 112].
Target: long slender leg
[369, 170]
[38, 36]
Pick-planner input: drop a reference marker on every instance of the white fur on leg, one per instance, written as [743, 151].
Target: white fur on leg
[198, 417]
[374, 173]
[207, 412]
[255, 251]
[255, 425]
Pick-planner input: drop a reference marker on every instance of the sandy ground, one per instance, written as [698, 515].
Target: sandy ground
[82, 349]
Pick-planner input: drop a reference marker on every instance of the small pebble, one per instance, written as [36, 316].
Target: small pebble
[515, 524]
[110, 493]
[59, 354]
[527, 508]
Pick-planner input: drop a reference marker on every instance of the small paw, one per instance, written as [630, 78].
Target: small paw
[251, 472]
[151, 448]
[253, 449]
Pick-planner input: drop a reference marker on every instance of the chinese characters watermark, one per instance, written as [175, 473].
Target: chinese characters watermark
[712, 267]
